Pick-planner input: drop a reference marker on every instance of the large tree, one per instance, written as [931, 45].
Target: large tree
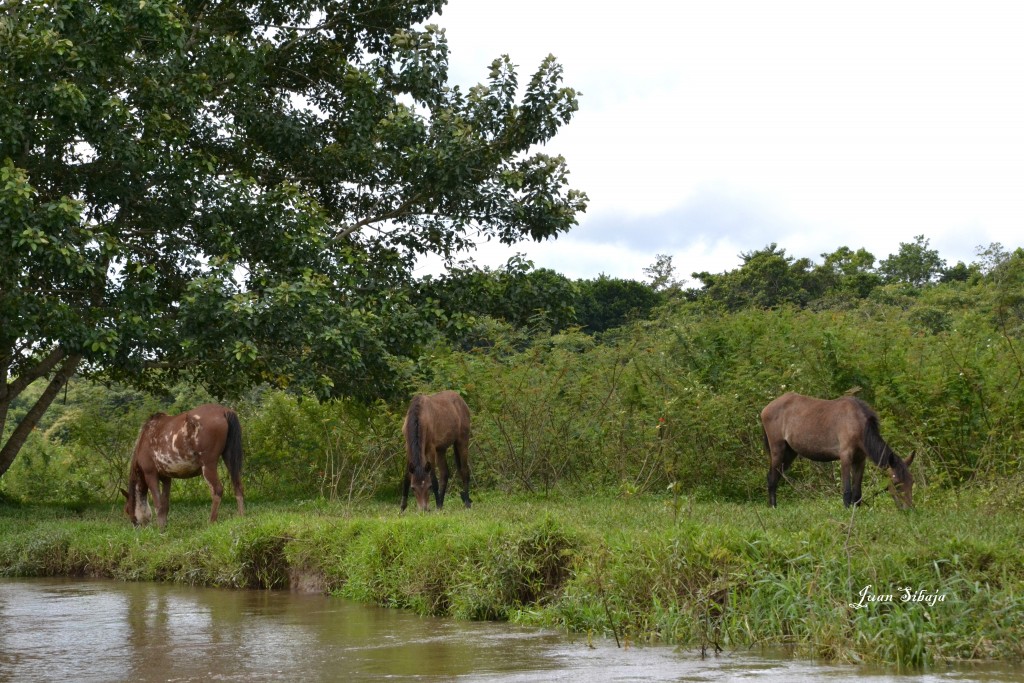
[767, 278]
[231, 192]
[846, 272]
[607, 302]
[517, 293]
[915, 263]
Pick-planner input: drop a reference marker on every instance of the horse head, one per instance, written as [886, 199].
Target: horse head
[135, 508]
[901, 481]
[127, 502]
[421, 482]
[129, 507]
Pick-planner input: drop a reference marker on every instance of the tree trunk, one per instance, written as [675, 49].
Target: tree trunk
[20, 434]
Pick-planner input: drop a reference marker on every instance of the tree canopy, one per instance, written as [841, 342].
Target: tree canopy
[767, 278]
[914, 263]
[235, 192]
[517, 293]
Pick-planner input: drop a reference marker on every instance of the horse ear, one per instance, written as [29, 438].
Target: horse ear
[910, 459]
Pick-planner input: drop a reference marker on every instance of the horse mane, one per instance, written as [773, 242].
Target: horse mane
[877, 449]
[412, 433]
[129, 490]
[146, 426]
[134, 470]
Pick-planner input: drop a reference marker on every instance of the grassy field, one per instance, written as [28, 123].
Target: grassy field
[947, 577]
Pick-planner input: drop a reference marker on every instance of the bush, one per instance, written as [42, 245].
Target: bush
[342, 449]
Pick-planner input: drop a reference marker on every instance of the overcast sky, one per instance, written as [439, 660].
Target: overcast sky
[708, 128]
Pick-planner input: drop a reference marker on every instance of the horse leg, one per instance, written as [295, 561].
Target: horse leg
[434, 488]
[216, 488]
[856, 479]
[774, 474]
[236, 484]
[153, 485]
[781, 456]
[845, 468]
[462, 465]
[441, 480]
[165, 502]
[142, 510]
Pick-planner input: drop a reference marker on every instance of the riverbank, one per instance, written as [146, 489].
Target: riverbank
[942, 582]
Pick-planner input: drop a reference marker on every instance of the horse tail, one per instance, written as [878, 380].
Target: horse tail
[233, 446]
[413, 443]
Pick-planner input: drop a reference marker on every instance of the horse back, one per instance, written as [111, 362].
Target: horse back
[443, 418]
[818, 429]
[180, 445]
[207, 428]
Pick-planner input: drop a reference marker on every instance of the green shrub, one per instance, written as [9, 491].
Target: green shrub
[339, 450]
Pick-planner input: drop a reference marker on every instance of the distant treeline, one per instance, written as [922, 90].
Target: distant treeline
[523, 295]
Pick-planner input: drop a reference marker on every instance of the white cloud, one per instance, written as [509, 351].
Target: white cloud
[811, 124]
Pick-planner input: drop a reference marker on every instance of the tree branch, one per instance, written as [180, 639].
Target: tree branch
[42, 369]
[402, 209]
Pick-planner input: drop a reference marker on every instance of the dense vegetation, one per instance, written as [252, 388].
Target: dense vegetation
[619, 473]
[667, 402]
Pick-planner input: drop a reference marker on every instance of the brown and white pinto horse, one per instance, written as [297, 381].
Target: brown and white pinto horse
[843, 429]
[180, 447]
[432, 424]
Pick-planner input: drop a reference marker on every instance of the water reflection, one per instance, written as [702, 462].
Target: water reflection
[107, 631]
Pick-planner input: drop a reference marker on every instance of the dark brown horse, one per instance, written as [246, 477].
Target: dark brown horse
[843, 429]
[432, 424]
[179, 447]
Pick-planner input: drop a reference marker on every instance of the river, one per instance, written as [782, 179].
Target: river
[105, 631]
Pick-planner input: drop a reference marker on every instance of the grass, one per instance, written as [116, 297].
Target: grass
[702, 574]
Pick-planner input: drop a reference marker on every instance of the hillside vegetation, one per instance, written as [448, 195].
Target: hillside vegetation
[665, 403]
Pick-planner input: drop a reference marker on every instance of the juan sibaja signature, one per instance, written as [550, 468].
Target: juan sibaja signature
[901, 594]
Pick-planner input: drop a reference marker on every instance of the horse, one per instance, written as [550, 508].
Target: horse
[432, 424]
[180, 447]
[843, 429]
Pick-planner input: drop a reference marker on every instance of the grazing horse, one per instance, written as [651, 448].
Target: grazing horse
[843, 429]
[432, 424]
[179, 447]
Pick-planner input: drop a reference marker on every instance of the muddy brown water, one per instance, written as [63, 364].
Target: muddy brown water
[105, 631]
